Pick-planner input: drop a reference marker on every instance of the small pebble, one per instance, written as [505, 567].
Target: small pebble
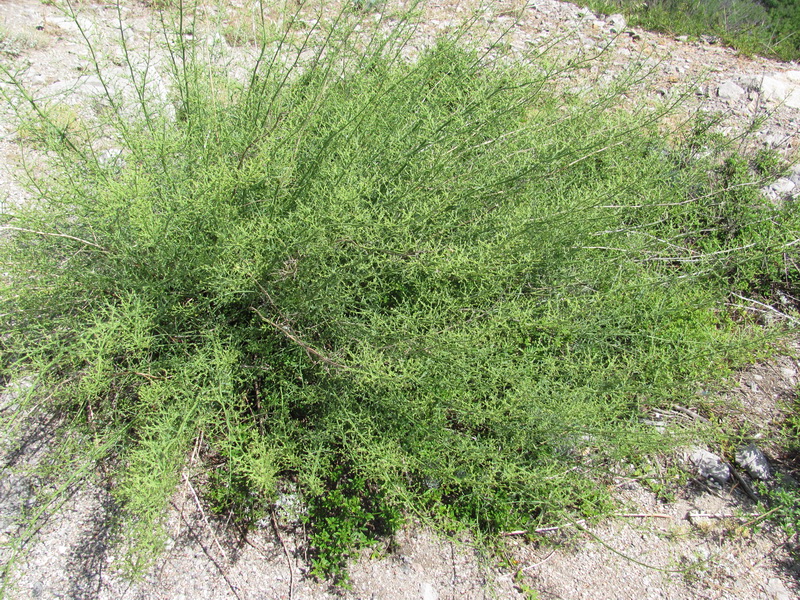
[428, 592]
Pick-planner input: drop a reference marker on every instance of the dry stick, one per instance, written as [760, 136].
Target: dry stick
[197, 445]
[61, 235]
[255, 546]
[690, 413]
[691, 515]
[682, 202]
[203, 515]
[768, 307]
[584, 157]
[696, 258]
[286, 331]
[759, 517]
[583, 522]
[146, 375]
[453, 562]
[766, 556]
[541, 562]
[309, 349]
[752, 308]
[745, 486]
[285, 551]
[207, 553]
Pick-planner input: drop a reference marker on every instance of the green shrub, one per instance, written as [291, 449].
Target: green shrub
[435, 288]
[783, 492]
[785, 25]
[768, 27]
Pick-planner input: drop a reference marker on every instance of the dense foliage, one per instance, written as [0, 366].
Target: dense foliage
[784, 24]
[445, 288]
[768, 27]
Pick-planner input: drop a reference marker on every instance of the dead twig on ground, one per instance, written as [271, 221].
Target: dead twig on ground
[198, 443]
[768, 308]
[206, 551]
[691, 515]
[50, 234]
[310, 350]
[760, 517]
[285, 551]
[582, 522]
[744, 485]
[203, 516]
[541, 562]
[690, 413]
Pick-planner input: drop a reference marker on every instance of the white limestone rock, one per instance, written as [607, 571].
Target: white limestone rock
[779, 87]
[730, 90]
[752, 460]
[710, 466]
[617, 22]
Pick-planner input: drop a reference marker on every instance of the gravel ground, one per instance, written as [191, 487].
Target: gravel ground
[656, 550]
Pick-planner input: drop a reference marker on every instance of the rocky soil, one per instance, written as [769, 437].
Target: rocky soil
[696, 546]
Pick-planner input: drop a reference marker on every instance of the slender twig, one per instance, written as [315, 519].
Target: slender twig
[582, 158]
[410, 254]
[147, 376]
[453, 562]
[767, 307]
[750, 308]
[208, 554]
[583, 522]
[197, 446]
[690, 413]
[745, 486]
[541, 529]
[541, 562]
[524, 531]
[610, 248]
[691, 515]
[203, 516]
[760, 517]
[683, 202]
[696, 258]
[310, 350]
[285, 551]
[635, 561]
[61, 235]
